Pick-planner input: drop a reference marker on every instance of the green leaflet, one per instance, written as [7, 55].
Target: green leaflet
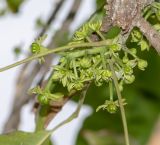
[23, 138]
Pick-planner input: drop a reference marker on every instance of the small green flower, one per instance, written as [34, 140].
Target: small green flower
[35, 48]
[95, 26]
[142, 64]
[144, 45]
[77, 85]
[136, 36]
[67, 78]
[133, 51]
[128, 69]
[86, 74]
[85, 62]
[56, 76]
[82, 33]
[111, 106]
[129, 79]
[115, 47]
[106, 74]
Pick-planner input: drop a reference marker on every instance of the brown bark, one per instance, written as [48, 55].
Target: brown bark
[123, 13]
[151, 34]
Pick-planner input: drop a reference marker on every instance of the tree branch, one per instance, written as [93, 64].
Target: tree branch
[151, 34]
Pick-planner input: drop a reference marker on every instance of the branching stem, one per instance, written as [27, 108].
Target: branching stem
[63, 48]
[120, 103]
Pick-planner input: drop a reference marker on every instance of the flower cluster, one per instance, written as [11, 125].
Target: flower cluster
[77, 67]
[74, 73]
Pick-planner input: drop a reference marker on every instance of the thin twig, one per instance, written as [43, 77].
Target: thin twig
[55, 50]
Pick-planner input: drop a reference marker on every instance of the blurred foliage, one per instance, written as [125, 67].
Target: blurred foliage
[14, 5]
[17, 51]
[100, 3]
[23, 138]
[40, 23]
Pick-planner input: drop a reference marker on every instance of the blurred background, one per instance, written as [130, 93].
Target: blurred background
[21, 22]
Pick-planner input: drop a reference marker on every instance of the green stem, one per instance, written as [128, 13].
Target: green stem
[75, 69]
[101, 35]
[103, 60]
[111, 90]
[63, 48]
[88, 39]
[75, 114]
[120, 103]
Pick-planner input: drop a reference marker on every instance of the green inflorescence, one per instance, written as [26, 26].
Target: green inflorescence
[80, 66]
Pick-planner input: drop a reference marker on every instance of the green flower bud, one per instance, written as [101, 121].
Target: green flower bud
[115, 47]
[43, 99]
[157, 27]
[144, 45]
[125, 59]
[132, 63]
[142, 64]
[35, 48]
[85, 62]
[120, 86]
[133, 51]
[136, 36]
[129, 79]
[75, 86]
